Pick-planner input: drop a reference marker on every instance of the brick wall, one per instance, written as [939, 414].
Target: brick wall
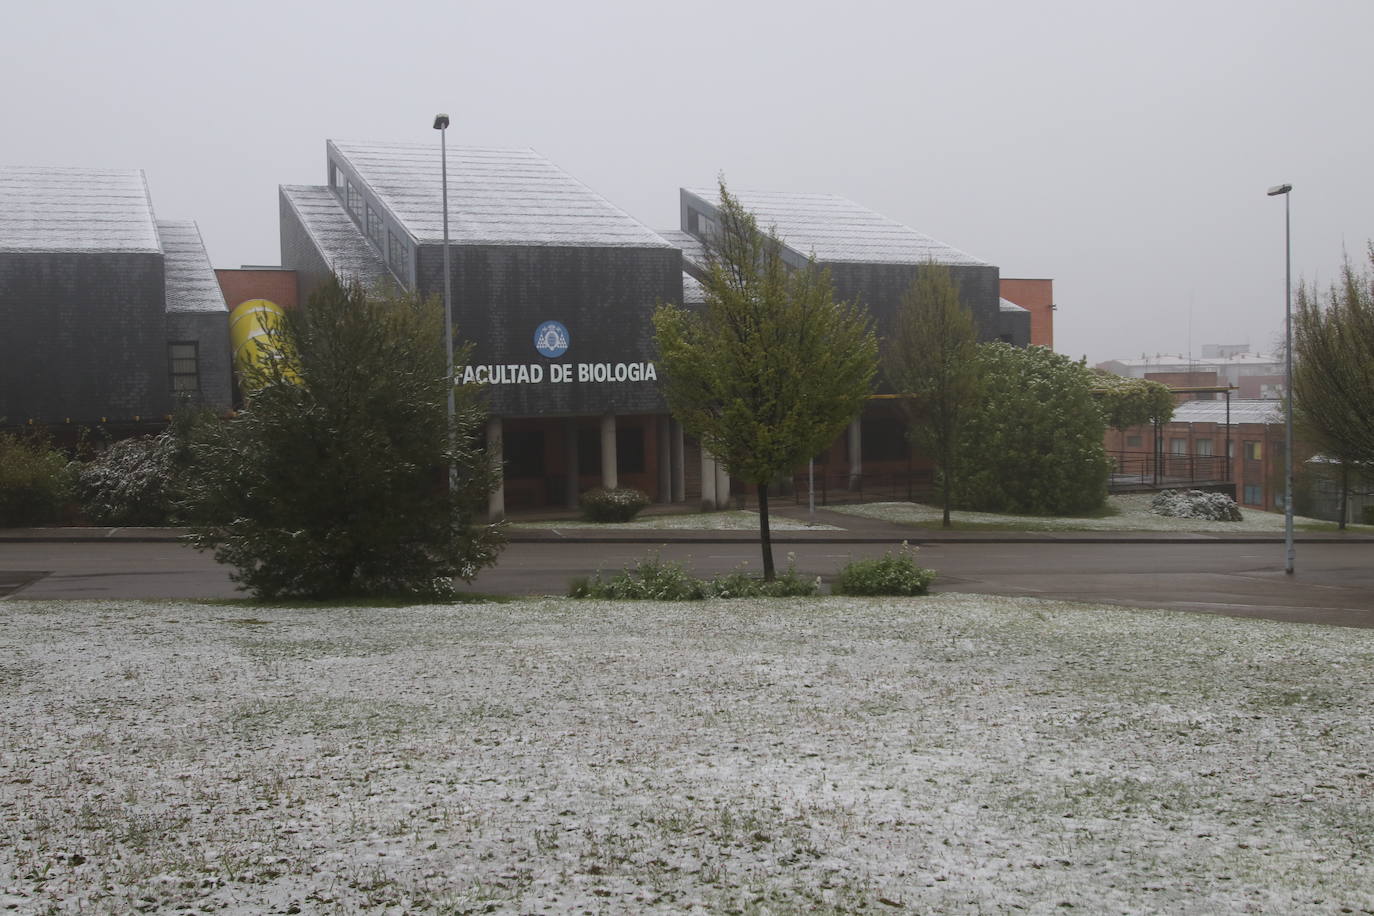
[1037, 296]
[239, 286]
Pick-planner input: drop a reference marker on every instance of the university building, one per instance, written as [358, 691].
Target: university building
[555, 287]
[114, 316]
[111, 316]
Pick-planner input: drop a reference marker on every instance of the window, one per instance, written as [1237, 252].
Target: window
[183, 366]
[398, 255]
[1230, 449]
[336, 180]
[1203, 447]
[629, 450]
[375, 228]
[1133, 442]
[1254, 495]
[883, 440]
[523, 450]
[589, 452]
[1254, 451]
[1178, 446]
[354, 201]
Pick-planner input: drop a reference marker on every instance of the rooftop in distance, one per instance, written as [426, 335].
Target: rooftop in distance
[76, 210]
[495, 197]
[837, 229]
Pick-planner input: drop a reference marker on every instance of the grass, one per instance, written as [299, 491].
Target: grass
[726, 520]
[1123, 512]
[944, 754]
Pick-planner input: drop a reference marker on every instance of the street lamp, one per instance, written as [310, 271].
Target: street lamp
[441, 125]
[1283, 190]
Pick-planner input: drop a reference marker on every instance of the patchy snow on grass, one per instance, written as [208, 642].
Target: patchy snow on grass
[1132, 513]
[727, 520]
[945, 754]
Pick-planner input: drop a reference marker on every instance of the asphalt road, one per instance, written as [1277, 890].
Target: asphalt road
[1334, 582]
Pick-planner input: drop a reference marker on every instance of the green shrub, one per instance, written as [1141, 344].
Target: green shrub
[618, 505]
[35, 481]
[1368, 514]
[653, 579]
[890, 574]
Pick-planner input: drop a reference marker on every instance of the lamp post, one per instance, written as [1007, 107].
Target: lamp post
[441, 125]
[1283, 190]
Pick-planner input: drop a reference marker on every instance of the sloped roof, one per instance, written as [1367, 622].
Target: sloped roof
[495, 197]
[693, 251]
[837, 229]
[337, 237]
[1243, 410]
[693, 293]
[75, 210]
[1007, 305]
[190, 280]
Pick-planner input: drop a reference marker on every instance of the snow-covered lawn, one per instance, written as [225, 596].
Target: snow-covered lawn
[949, 754]
[728, 520]
[1132, 514]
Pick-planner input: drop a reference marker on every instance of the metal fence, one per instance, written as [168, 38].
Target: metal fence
[1145, 470]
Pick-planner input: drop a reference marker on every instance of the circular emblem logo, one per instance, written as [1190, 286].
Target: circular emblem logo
[551, 339]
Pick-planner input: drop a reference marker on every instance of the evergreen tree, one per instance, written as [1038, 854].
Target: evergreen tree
[332, 482]
[930, 360]
[773, 369]
[1034, 445]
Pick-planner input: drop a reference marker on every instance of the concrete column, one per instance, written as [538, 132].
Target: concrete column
[496, 500]
[708, 482]
[722, 487]
[856, 458]
[609, 478]
[665, 459]
[679, 461]
[570, 462]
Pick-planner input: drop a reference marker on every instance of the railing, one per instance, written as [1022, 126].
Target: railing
[1136, 470]
[864, 488]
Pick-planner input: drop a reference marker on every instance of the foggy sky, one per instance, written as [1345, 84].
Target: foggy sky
[1122, 149]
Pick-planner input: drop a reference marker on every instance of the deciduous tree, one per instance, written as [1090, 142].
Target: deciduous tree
[930, 361]
[773, 368]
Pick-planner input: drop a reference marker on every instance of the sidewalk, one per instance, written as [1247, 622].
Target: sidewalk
[852, 530]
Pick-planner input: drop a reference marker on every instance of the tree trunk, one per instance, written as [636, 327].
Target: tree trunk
[765, 536]
[945, 523]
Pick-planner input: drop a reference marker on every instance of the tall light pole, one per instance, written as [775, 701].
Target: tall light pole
[1283, 191]
[441, 125]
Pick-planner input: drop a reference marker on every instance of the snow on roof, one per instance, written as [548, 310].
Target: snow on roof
[84, 210]
[837, 229]
[1243, 410]
[693, 293]
[693, 251]
[1007, 305]
[191, 282]
[1179, 361]
[336, 236]
[495, 197]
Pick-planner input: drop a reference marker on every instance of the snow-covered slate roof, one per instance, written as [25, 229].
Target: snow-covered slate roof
[84, 210]
[693, 293]
[191, 282]
[1007, 305]
[1243, 410]
[495, 197]
[338, 238]
[837, 229]
[693, 252]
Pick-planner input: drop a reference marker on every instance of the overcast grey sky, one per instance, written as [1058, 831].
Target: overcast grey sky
[1122, 149]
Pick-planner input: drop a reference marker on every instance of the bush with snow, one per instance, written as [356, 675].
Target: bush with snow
[1215, 507]
[615, 505]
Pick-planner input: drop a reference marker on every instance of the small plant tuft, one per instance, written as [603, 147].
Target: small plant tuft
[618, 505]
[890, 574]
[653, 579]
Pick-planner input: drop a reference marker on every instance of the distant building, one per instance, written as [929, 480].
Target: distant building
[111, 316]
[1255, 375]
[1036, 297]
